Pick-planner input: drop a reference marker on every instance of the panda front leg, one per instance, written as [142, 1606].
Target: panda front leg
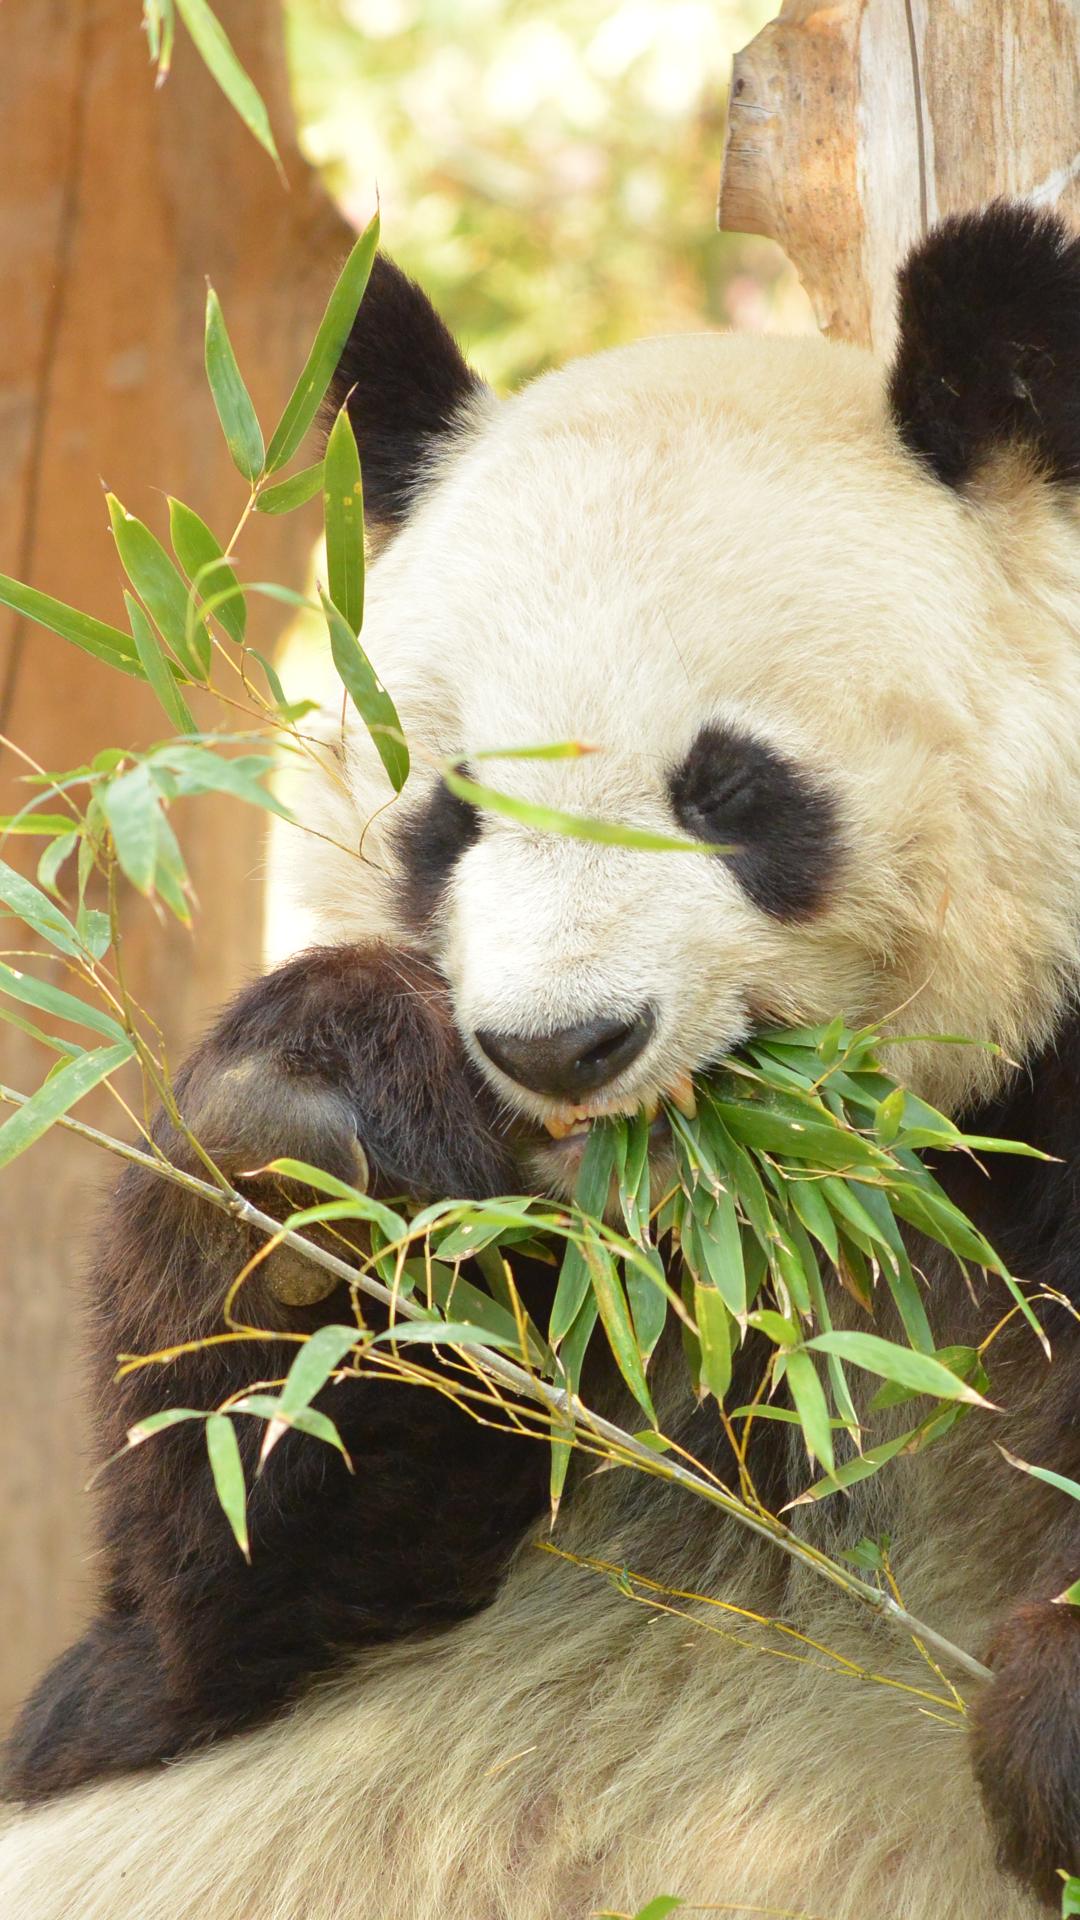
[190, 1642]
[1026, 1732]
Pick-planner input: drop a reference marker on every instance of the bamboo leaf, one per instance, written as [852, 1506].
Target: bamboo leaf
[38, 911]
[717, 1334]
[720, 1239]
[161, 588]
[344, 511]
[590, 1199]
[776, 1327]
[444, 1333]
[459, 1300]
[391, 1223]
[923, 1205]
[862, 1467]
[179, 768]
[64, 1006]
[889, 1116]
[60, 1092]
[318, 1426]
[61, 849]
[469, 1237]
[239, 89]
[571, 1360]
[572, 826]
[648, 1302]
[368, 695]
[273, 681]
[920, 1371]
[1059, 1480]
[615, 1318]
[110, 644]
[811, 1406]
[310, 390]
[294, 492]
[774, 1132]
[35, 825]
[897, 1268]
[159, 20]
[200, 554]
[158, 1422]
[227, 1468]
[132, 807]
[841, 1392]
[314, 1363]
[811, 1207]
[239, 421]
[156, 668]
[50, 1040]
[786, 1416]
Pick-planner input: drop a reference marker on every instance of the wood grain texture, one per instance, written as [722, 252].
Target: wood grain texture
[115, 203]
[854, 126]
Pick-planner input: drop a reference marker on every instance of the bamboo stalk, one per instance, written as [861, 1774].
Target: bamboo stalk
[567, 1409]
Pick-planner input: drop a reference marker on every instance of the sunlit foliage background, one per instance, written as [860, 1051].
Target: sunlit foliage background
[548, 171]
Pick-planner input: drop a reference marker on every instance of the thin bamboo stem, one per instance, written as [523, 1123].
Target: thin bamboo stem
[567, 1409]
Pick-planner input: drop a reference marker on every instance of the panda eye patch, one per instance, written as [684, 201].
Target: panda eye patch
[429, 842]
[732, 787]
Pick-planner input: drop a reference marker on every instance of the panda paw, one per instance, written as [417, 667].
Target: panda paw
[349, 1058]
[1026, 1733]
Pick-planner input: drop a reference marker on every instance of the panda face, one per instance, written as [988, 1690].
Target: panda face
[715, 562]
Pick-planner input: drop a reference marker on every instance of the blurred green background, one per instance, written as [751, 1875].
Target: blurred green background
[549, 172]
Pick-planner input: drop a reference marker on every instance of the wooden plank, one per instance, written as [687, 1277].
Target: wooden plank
[854, 126]
[115, 203]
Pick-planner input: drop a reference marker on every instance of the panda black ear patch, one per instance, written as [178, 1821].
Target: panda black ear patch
[409, 387]
[989, 345]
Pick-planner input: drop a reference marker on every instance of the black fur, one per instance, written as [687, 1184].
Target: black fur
[191, 1643]
[989, 348]
[1025, 1726]
[407, 386]
[429, 841]
[735, 790]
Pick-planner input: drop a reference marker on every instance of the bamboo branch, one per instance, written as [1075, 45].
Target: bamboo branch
[566, 1408]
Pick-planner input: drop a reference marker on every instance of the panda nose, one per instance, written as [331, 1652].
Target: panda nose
[573, 1062]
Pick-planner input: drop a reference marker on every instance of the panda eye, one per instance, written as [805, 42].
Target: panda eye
[783, 823]
[429, 842]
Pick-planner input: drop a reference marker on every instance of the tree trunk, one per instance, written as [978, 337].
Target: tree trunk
[854, 126]
[115, 202]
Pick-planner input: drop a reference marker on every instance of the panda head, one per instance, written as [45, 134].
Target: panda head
[822, 614]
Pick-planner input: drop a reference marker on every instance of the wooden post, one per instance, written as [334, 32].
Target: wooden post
[115, 203]
[854, 126]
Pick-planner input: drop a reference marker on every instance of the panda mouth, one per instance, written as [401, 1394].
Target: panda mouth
[570, 1122]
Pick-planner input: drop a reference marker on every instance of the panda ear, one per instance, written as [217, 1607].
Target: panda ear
[408, 389]
[989, 345]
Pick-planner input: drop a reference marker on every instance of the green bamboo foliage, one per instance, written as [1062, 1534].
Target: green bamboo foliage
[218, 55]
[799, 1171]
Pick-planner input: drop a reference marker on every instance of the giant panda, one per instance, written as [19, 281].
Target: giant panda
[825, 611]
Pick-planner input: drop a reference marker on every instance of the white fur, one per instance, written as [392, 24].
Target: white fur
[686, 529]
[728, 527]
[568, 1751]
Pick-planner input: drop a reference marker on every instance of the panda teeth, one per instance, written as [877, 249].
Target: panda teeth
[559, 1127]
[574, 1120]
